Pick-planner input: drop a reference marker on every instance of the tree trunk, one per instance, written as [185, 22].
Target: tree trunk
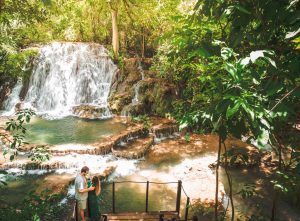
[217, 179]
[115, 34]
[1, 5]
[275, 200]
[143, 43]
[229, 183]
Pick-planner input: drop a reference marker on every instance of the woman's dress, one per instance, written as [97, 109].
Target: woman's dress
[93, 204]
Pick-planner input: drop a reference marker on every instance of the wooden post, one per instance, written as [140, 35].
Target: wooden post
[178, 198]
[113, 197]
[147, 195]
[161, 217]
[187, 209]
[76, 211]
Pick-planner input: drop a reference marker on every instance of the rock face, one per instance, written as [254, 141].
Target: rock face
[5, 89]
[89, 111]
[137, 90]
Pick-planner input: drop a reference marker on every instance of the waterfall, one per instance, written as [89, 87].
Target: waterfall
[13, 99]
[68, 75]
[136, 87]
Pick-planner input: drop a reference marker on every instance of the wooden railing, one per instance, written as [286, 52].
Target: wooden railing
[178, 197]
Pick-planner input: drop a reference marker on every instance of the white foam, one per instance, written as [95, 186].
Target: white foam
[66, 75]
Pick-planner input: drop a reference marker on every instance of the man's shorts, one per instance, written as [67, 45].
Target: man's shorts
[81, 204]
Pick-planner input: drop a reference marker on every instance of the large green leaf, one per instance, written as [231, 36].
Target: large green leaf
[232, 110]
[242, 9]
[254, 55]
[226, 53]
[232, 70]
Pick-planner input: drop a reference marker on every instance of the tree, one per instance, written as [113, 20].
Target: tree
[218, 93]
[115, 32]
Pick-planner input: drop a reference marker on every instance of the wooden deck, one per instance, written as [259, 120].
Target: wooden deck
[150, 216]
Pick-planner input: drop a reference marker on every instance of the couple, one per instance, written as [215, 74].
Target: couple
[86, 191]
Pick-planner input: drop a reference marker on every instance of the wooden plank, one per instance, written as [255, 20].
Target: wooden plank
[135, 216]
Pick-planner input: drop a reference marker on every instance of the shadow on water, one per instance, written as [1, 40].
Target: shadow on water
[259, 205]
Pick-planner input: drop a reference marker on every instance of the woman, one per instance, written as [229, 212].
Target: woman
[93, 201]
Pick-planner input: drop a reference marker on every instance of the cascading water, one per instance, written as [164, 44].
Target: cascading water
[136, 87]
[13, 99]
[70, 74]
[135, 100]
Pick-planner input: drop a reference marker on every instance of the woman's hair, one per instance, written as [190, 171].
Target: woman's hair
[96, 184]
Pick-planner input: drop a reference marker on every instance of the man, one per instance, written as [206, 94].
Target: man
[81, 191]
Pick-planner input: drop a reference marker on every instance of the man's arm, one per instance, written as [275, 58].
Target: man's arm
[81, 188]
[86, 190]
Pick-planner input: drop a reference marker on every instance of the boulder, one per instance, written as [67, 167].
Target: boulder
[136, 80]
[90, 111]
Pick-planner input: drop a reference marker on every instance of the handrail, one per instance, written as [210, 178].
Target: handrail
[178, 196]
[129, 181]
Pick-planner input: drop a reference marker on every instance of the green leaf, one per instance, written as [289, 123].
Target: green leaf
[263, 138]
[202, 52]
[254, 55]
[244, 62]
[232, 110]
[218, 42]
[242, 9]
[27, 118]
[231, 69]
[292, 33]
[226, 53]
[272, 62]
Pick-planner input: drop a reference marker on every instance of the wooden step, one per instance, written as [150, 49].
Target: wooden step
[151, 216]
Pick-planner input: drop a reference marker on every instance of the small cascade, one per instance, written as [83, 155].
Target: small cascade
[136, 87]
[141, 70]
[126, 111]
[13, 99]
[135, 99]
[71, 164]
[68, 75]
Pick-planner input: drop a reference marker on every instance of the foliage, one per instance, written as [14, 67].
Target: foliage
[236, 156]
[18, 26]
[39, 154]
[248, 86]
[288, 185]
[238, 105]
[35, 207]
[144, 119]
[200, 208]
[25, 22]
[187, 137]
[18, 131]
[247, 191]
[14, 142]
[190, 48]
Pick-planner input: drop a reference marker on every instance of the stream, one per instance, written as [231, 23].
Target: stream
[72, 80]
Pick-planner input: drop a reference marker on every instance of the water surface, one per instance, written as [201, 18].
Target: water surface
[70, 130]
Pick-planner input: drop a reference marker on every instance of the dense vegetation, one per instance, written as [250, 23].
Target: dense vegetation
[235, 63]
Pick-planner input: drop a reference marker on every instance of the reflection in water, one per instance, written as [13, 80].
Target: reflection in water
[131, 197]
